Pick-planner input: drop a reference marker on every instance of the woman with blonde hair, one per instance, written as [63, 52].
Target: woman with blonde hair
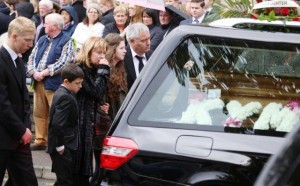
[121, 21]
[91, 59]
[115, 93]
[135, 13]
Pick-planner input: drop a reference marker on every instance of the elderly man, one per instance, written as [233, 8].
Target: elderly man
[49, 55]
[15, 134]
[45, 8]
[138, 51]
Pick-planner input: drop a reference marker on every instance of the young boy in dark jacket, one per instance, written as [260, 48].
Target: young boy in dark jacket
[63, 136]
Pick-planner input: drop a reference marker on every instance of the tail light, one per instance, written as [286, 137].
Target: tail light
[116, 151]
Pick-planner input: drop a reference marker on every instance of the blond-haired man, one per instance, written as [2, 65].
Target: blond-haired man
[15, 134]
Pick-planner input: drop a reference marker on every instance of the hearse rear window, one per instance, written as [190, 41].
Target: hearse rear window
[225, 85]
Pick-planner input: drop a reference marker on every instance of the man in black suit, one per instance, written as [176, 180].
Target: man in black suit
[197, 12]
[63, 136]
[15, 124]
[138, 51]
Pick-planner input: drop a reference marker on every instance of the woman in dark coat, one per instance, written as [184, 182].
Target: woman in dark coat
[150, 18]
[91, 59]
[115, 93]
[120, 23]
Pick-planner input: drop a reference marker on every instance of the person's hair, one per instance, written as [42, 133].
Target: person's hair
[134, 30]
[90, 6]
[117, 78]
[55, 19]
[202, 3]
[20, 26]
[12, 2]
[121, 9]
[153, 14]
[3, 38]
[113, 40]
[106, 2]
[71, 72]
[138, 16]
[35, 4]
[89, 45]
[47, 3]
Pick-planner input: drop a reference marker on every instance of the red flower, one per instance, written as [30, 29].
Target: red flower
[296, 19]
[253, 16]
[268, 10]
[285, 11]
[258, 1]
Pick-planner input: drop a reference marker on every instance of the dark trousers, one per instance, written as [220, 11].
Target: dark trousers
[63, 167]
[19, 164]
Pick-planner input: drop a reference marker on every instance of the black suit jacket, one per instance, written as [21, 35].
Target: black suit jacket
[108, 17]
[186, 22]
[63, 121]
[14, 102]
[129, 66]
[4, 20]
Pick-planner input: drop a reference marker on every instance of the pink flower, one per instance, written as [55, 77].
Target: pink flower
[277, 10]
[293, 105]
[232, 121]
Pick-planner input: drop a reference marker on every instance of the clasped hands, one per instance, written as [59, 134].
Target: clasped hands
[39, 76]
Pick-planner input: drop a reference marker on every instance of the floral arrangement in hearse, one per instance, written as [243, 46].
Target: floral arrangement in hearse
[238, 113]
[277, 117]
[286, 10]
[273, 117]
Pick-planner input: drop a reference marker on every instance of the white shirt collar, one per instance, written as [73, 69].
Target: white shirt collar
[134, 53]
[12, 53]
[136, 61]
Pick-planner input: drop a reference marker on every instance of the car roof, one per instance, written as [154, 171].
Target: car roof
[232, 22]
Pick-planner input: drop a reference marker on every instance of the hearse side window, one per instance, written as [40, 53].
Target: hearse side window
[225, 85]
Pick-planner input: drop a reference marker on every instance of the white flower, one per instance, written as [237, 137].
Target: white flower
[233, 108]
[289, 119]
[198, 111]
[264, 119]
[248, 110]
[238, 113]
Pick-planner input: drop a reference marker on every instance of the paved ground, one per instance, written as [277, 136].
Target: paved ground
[42, 167]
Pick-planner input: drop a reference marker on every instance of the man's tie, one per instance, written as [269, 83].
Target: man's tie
[196, 21]
[19, 69]
[141, 64]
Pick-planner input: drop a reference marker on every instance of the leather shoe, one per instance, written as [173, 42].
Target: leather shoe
[35, 147]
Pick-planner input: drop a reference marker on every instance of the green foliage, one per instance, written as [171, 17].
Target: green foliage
[270, 17]
[232, 8]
